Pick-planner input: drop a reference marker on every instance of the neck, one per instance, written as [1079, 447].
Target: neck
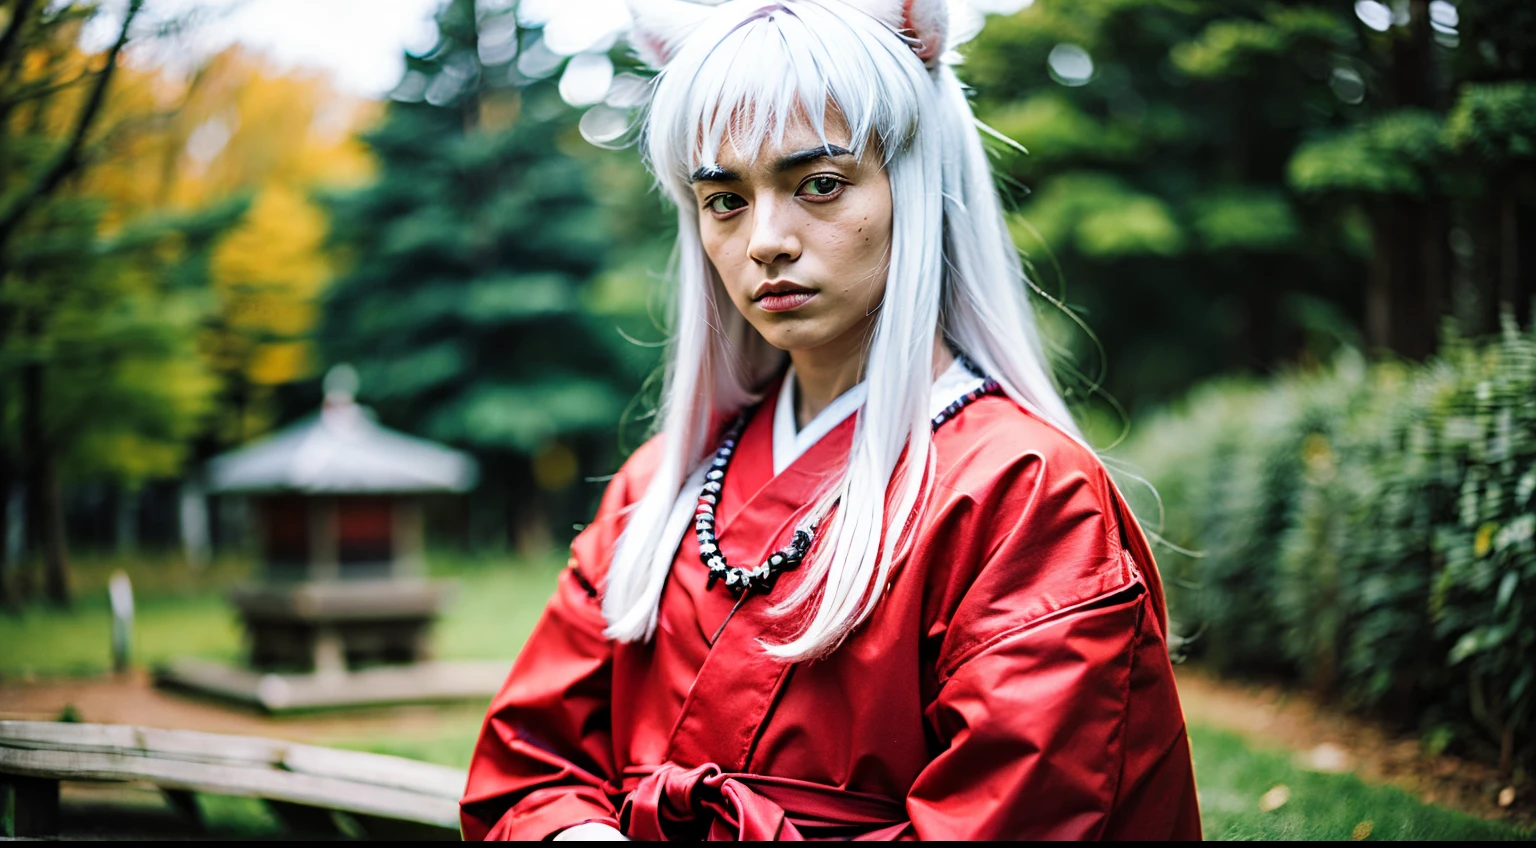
[823, 374]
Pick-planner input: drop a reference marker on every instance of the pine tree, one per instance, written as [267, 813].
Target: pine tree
[1262, 180]
[466, 309]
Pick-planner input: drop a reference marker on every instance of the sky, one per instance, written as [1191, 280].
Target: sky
[359, 42]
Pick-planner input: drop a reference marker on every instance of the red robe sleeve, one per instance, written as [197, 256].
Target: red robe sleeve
[1056, 713]
[545, 752]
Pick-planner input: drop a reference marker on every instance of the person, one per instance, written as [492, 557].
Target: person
[868, 581]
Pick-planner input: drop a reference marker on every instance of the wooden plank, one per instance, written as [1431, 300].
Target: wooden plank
[377, 770]
[118, 738]
[189, 746]
[243, 781]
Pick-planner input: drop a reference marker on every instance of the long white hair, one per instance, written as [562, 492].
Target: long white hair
[740, 72]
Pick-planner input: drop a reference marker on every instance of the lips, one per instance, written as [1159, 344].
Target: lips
[780, 287]
[781, 296]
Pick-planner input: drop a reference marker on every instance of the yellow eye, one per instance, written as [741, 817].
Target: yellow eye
[721, 204]
[821, 186]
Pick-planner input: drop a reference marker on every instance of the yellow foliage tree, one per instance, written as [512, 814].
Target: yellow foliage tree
[137, 303]
[239, 128]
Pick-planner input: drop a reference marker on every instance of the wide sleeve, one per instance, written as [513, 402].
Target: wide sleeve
[1055, 712]
[545, 752]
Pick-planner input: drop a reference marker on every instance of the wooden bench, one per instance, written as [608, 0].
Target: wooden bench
[301, 783]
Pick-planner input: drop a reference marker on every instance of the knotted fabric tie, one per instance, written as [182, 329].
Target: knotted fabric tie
[754, 807]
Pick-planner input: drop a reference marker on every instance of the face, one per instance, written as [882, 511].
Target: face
[800, 234]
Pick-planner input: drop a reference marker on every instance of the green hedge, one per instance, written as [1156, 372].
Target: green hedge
[1366, 529]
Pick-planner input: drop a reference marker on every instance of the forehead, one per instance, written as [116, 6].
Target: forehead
[798, 132]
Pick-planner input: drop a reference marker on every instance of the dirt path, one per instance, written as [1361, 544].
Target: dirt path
[1326, 739]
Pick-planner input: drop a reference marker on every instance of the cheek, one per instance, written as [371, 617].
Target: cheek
[870, 245]
[721, 248]
[875, 248]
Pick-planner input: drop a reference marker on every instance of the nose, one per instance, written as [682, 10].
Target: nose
[774, 239]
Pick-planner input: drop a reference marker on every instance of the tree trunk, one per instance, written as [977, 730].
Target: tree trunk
[57, 580]
[6, 566]
[1516, 278]
[1434, 301]
[1263, 309]
[1405, 291]
[527, 517]
[45, 509]
[1379, 280]
[32, 473]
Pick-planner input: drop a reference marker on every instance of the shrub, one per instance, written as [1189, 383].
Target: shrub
[1366, 529]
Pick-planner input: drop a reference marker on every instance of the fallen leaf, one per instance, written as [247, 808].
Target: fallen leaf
[1506, 796]
[1274, 799]
[1362, 831]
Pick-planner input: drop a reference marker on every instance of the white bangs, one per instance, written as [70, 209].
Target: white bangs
[746, 76]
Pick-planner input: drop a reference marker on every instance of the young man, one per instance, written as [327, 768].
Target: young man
[868, 581]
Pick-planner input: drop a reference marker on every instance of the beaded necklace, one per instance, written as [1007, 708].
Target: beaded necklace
[740, 581]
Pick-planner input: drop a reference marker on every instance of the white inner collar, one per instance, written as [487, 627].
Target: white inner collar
[789, 443]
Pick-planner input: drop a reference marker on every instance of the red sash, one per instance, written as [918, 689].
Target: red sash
[754, 807]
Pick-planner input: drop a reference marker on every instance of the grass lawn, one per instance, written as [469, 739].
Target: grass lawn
[1232, 777]
[498, 601]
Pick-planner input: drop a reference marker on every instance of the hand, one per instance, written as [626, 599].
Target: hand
[591, 832]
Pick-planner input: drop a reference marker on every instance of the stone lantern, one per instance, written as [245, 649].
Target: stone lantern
[342, 601]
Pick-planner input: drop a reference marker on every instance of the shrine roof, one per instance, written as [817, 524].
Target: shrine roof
[342, 450]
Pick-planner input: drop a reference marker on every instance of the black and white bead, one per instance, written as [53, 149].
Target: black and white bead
[762, 578]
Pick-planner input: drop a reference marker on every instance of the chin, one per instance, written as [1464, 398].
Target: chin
[793, 339]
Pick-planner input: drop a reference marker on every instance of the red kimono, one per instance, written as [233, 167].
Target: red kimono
[1013, 682]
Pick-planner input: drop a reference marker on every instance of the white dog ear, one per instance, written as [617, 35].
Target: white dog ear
[925, 22]
[928, 22]
[660, 26]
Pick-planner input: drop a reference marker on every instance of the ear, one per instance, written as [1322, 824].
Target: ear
[925, 22]
[660, 26]
[928, 22]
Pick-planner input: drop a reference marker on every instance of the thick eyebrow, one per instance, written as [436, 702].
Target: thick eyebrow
[795, 160]
[713, 174]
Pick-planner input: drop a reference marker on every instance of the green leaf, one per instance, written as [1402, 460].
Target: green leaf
[1507, 588]
[1394, 155]
[1495, 121]
[1239, 219]
[1468, 645]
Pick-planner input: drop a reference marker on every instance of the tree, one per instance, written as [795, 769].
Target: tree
[1257, 179]
[1158, 133]
[161, 257]
[468, 307]
[277, 139]
[50, 102]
